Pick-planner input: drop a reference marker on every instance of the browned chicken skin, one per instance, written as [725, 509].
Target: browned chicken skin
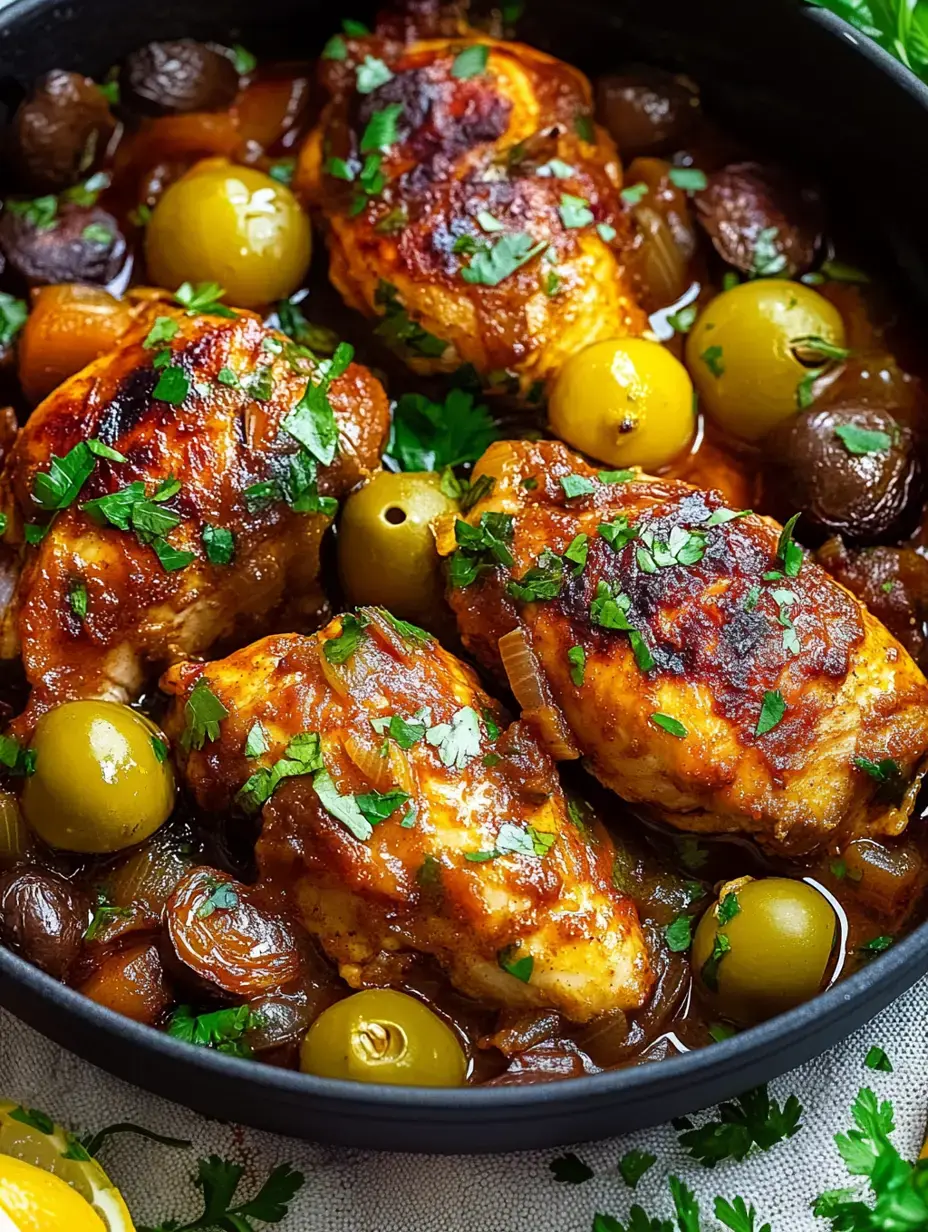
[105, 596]
[476, 860]
[789, 693]
[490, 152]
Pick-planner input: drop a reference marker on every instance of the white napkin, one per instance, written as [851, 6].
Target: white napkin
[364, 1191]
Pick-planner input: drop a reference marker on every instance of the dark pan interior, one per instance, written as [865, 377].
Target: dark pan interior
[793, 81]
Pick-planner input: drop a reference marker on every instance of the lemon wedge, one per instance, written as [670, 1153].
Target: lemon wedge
[38, 1165]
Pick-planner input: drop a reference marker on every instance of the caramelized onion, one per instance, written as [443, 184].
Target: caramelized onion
[383, 771]
[14, 833]
[661, 265]
[527, 686]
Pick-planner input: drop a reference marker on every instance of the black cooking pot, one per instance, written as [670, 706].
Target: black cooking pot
[796, 82]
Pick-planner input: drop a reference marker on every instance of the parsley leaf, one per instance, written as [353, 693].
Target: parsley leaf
[738, 1216]
[429, 436]
[576, 485]
[218, 544]
[520, 968]
[480, 547]
[634, 1164]
[541, 582]
[303, 755]
[172, 386]
[218, 1180]
[381, 130]
[574, 211]
[203, 712]
[670, 725]
[458, 741]
[13, 314]
[57, 487]
[256, 742]
[372, 74]
[862, 441]
[877, 1059]
[678, 934]
[312, 421]
[221, 1029]
[752, 1120]
[398, 329]
[608, 610]
[688, 178]
[576, 657]
[340, 649]
[496, 262]
[344, 808]
[471, 61]
[712, 358]
[789, 553]
[202, 298]
[771, 712]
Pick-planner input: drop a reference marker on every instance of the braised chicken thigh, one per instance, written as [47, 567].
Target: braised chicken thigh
[403, 812]
[691, 653]
[471, 203]
[174, 493]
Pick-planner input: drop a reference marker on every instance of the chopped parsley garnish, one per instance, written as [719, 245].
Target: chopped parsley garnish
[40, 213]
[634, 1164]
[606, 232]
[312, 421]
[577, 552]
[712, 358]
[728, 908]
[691, 179]
[217, 1181]
[888, 774]
[683, 547]
[771, 712]
[497, 261]
[430, 436]
[162, 331]
[218, 544]
[576, 485]
[372, 74]
[343, 808]
[509, 961]
[173, 385]
[458, 741]
[543, 581]
[789, 553]
[355, 29]
[220, 1029]
[672, 726]
[555, 168]
[203, 712]
[129, 508]
[480, 547]
[752, 1120]
[398, 329]
[295, 484]
[574, 211]
[13, 314]
[576, 657]
[103, 913]
[678, 935]
[429, 874]
[876, 945]
[608, 609]
[405, 629]
[768, 260]
[622, 476]
[470, 62]
[877, 1059]
[15, 758]
[60, 485]
[97, 233]
[810, 348]
[513, 840]
[683, 320]
[340, 649]
[719, 517]
[710, 968]
[633, 194]
[77, 598]
[202, 298]
[303, 755]
[319, 339]
[245, 61]
[584, 128]
[862, 441]
[335, 49]
[618, 534]
[381, 131]
[282, 170]
[406, 732]
[222, 896]
[160, 749]
[256, 742]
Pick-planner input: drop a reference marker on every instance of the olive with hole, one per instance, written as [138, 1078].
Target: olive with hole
[625, 402]
[386, 549]
[763, 947]
[853, 470]
[380, 1035]
[43, 917]
[101, 781]
[756, 351]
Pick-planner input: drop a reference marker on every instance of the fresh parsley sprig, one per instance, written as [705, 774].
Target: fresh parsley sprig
[218, 1180]
[752, 1120]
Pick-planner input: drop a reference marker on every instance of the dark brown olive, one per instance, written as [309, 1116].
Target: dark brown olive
[219, 929]
[43, 917]
[892, 582]
[646, 112]
[70, 243]
[177, 76]
[852, 470]
[59, 133]
[760, 220]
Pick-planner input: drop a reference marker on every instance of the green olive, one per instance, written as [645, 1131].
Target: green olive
[386, 549]
[99, 783]
[625, 402]
[746, 351]
[380, 1035]
[231, 225]
[763, 947]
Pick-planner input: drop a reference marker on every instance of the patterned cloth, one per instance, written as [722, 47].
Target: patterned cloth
[361, 1191]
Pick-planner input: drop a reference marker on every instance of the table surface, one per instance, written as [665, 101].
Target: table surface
[359, 1191]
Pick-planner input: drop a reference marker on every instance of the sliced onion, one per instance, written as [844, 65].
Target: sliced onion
[526, 682]
[335, 674]
[660, 263]
[14, 833]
